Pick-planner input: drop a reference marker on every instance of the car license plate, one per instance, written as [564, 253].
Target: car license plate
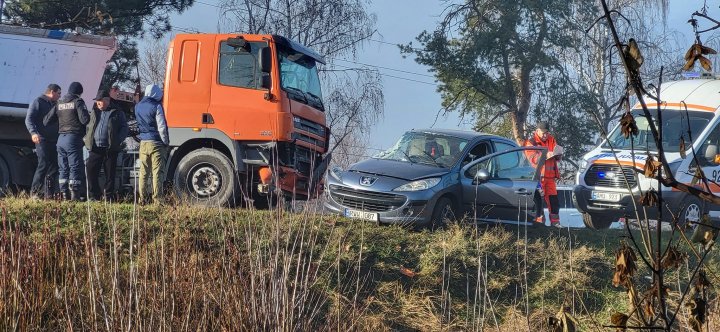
[610, 197]
[361, 215]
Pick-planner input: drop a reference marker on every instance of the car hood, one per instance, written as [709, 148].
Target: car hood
[397, 169]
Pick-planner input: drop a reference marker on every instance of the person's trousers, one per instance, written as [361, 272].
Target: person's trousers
[71, 167]
[551, 199]
[101, 158]
[153, 156]
[46, 174]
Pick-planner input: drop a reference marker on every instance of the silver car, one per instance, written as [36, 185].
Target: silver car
[431, 175]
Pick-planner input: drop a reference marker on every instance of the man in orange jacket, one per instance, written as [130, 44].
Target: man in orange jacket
[541, 137]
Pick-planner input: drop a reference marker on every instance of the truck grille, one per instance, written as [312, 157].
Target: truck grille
[612, 176]
[366, 200]
[303, 126]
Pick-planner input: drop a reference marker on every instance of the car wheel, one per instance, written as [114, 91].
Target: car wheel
[442, 212]
[691, 213]
[206, 177]
[595, 221]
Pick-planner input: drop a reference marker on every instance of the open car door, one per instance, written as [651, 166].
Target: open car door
[501, 187]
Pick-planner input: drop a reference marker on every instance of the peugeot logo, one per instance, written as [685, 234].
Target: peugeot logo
[367, 181]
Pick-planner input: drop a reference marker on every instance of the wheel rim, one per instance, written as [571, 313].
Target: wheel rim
[692, 213]
[205, 181]
[447, 213]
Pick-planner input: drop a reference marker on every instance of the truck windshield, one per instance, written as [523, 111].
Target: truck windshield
[674, 126]
[426, 148]
[299, 78]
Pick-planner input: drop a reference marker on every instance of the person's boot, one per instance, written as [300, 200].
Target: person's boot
[65, 194]
[76, 194]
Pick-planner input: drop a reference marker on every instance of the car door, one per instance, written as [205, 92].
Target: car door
[500, 187]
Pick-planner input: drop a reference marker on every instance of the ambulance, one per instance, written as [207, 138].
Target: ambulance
[610, 182]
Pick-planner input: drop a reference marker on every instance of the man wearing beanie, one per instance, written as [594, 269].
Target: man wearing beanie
[72, 117]
[541, 137]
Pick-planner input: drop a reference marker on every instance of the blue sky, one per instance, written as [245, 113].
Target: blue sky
[410, 104]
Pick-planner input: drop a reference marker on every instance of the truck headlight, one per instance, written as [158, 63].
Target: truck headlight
[419, 185]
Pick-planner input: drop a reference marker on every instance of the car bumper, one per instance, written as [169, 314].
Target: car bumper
[416, 210]
[625, 207]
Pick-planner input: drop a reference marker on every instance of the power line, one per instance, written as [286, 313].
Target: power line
[388, 68]
[208, 4]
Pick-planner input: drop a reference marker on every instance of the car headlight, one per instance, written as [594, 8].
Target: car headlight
[336, 172]
[419, 185]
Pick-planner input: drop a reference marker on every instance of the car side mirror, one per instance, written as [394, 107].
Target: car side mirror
[481, 176]
[265, 59]
[266, 81]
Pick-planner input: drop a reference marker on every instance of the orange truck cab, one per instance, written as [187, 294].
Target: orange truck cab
[246, 118]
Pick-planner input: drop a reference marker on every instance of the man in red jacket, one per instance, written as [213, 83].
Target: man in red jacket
[549, 174]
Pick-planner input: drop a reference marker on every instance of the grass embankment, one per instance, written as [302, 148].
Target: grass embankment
[93, 266]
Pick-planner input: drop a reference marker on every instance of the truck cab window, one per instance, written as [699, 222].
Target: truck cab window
[239, 68]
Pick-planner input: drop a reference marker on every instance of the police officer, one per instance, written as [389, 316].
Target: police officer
[72, 117]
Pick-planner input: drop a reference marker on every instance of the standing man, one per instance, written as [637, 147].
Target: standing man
[45, 138]
[154, 141]
[72, 117]
[106, 132]
[549, 174]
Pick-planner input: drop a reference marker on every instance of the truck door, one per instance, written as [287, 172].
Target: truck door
[500, 187]
[238, 106]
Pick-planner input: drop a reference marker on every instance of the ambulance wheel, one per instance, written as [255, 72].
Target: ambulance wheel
[691, 213]
[596, 221]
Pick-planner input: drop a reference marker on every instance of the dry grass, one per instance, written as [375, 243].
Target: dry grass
[94, 266]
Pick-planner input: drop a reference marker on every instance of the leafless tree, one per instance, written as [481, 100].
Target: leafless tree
[335, 28]
[153, 61]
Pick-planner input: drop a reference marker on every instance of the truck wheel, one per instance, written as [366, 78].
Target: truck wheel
[206, 177]
[442, 212]
[596, 221]
[691, 213]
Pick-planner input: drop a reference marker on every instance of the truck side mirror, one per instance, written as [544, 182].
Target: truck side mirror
[265, 59]
[266, 81]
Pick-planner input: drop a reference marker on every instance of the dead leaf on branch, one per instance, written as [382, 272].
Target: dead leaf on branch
[633, 56]
[625, 266]
[563, 321]
[649, 198]
[628, 126]
[699, 175]
[705, 233]
[701, 282]
[619, 319]
[682, 148]
[651, 167]
[696, 53]
[697, 310]
[673, 258]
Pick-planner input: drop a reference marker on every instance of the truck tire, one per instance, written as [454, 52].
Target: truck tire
[691, 213]
[206, 177]
[594, 221]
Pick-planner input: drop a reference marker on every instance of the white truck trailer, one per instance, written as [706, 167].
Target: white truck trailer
[30, 59]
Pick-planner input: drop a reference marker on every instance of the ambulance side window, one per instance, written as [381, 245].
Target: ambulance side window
[709, 153]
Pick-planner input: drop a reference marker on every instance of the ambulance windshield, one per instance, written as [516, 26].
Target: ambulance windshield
[674, 126]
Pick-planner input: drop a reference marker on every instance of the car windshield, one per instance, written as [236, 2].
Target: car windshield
[674, 126]
[299, 78]
[426, 148]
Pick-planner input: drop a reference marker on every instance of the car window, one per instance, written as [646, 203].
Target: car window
[512, 165]
[480, 150]
[502, 146]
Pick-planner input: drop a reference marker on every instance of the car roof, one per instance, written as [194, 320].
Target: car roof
[464, 134]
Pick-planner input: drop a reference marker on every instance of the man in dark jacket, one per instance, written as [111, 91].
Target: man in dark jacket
[45, 139]
[72, 117]
[106, 132]
[154, 141]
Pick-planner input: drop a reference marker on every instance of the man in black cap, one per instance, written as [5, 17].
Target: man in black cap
[106, 132]
[45, 139]
[72, 116]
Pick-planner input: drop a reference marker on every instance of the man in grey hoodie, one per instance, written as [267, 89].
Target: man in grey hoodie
[45, 139]
[154, 141]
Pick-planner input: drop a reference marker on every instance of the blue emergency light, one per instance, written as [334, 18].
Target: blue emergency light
[601, 175]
